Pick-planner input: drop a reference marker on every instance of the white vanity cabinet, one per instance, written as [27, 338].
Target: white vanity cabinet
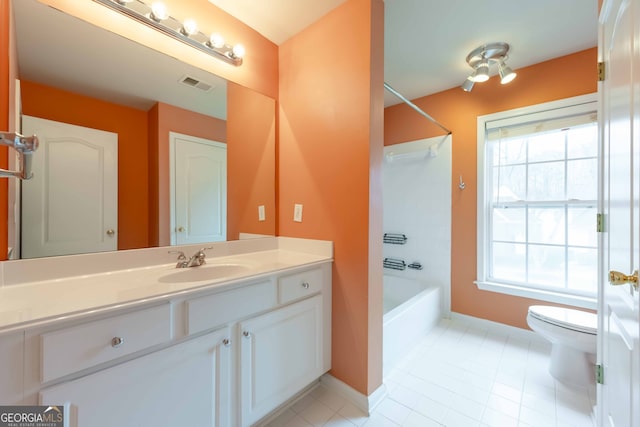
[280, 354]
[11, 367]
[223, 356]
[187, 384]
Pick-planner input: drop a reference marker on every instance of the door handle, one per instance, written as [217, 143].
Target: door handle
[617, 278]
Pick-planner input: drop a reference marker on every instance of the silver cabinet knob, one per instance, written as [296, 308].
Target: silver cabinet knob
[110, 232]
[117, 342]
[226, 342]
[305, 285]
[180, 229]
[246, 334]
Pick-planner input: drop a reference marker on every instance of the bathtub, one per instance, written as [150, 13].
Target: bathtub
[411, 308]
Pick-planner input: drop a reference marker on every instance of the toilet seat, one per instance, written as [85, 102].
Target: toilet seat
[575, 320]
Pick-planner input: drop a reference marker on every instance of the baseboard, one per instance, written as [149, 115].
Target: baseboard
[525, 334]
[365, 403]
[286, 405]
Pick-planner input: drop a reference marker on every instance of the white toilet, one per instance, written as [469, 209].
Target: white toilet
[572, 334]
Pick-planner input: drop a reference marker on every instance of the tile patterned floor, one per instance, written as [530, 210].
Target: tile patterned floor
[462, 374]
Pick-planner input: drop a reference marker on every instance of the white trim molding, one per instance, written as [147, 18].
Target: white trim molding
[579, 104]
[365, 403]
[539, 294]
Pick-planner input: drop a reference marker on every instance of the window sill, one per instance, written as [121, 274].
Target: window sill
[549, 296]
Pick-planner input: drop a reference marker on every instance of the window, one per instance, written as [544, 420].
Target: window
[537, 208]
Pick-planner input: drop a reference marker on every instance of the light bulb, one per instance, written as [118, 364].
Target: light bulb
[468, 84]
[189, 27]
[216, 40]
[506, 73]
[482, 73]
[159, 12]
[238, 51]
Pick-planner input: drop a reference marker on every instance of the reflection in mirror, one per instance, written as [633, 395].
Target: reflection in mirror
[75, 73]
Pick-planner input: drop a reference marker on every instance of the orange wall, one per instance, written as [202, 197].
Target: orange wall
[251, 152]
[131, 126]
[4, 115]
[563, 77]
[165, 118]
[328, 138]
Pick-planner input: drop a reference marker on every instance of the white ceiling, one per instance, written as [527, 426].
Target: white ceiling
[426, 42]
[277, 20]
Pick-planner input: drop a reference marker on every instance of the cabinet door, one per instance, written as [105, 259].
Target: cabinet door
[281, 353]
[184, 385]
[11, 367]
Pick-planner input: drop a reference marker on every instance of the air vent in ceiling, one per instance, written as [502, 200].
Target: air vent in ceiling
[198, 84]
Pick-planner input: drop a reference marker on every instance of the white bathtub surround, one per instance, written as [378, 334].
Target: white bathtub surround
[416, 179]
[417, 203]
[411, 309]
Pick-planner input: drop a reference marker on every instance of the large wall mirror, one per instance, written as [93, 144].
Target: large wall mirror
[76, 73]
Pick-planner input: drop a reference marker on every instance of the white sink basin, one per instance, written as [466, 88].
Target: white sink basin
[204, 272]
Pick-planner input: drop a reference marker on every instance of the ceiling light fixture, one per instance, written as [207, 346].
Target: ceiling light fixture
[482, 58]
[157, 17]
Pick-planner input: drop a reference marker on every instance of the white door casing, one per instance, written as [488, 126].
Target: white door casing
[619, 315]
[13, 193]
[70, 206]
[198, 190]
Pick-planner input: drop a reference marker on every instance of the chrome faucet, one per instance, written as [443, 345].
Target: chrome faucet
[182, 259]
[25, 146]
[196, 259]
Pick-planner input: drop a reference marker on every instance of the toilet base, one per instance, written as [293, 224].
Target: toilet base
[571, 367]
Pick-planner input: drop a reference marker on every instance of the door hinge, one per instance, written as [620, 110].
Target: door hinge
[599, 374]
[600, 223]
[601, 71]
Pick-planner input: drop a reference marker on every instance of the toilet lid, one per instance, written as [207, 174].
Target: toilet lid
[577, 320]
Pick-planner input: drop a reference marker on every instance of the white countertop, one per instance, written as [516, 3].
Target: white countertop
[33, 303]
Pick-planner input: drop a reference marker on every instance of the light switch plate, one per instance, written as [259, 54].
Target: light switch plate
[261, 214]
[297, 212]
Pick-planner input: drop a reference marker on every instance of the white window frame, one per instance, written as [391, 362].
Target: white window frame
[547, 110]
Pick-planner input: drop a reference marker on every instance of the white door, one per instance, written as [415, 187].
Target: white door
[70, 206]
[281, 353]
[184, 385]
[198, 190]
[619, 318]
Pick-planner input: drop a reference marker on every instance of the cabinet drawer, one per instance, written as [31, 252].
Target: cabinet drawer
[79, 347]
[218, 309]
[299, 285]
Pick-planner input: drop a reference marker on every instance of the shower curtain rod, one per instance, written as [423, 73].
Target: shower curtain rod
[415, 107]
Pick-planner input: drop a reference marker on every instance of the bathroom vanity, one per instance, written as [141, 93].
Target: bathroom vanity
[222, 344]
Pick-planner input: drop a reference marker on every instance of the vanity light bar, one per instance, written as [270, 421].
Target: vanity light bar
[171, 27]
